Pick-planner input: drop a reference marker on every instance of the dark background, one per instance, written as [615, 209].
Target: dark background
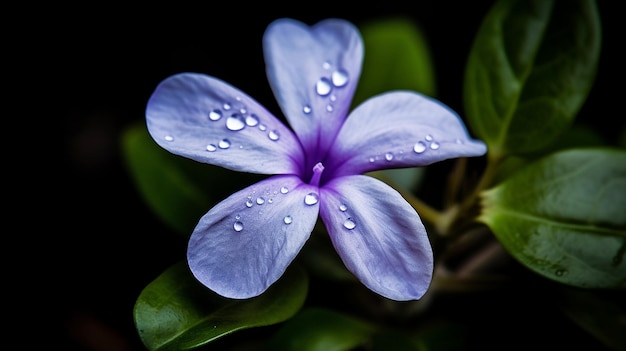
[88, 243]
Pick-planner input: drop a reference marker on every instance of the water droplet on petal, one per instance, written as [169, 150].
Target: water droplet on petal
[273, 135]
[243, 110]
[249, 203]
[224, 144]
[323, 86]
[260, 201]
[349, 224]
[169, 138]
[372, 159]
[288, 219]
[339, 78]
[419, 147]
[343, 208]
[284, 190]
[226, 106]
[428, 137]
[329, 108]
[252, 120]
[311, 198]
[326, 65]
[434, 145]
[389, 156]
[215, 115]
[211, 147]
[306, 109]
[238, 226]
[235, 122]
[262, 127]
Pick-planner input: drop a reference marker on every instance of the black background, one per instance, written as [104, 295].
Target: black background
[87, 243]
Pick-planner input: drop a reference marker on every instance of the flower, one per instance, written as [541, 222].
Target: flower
[247, 241]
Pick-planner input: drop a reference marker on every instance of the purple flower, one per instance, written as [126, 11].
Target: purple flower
[246, 242]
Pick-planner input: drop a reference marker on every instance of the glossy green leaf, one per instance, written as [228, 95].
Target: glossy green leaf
[396, 57]
[317, 329]
[529, 71]
[175, 312]
[564, 216]
[177, 189]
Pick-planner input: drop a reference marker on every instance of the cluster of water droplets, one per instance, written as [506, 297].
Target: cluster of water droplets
[349, 223]
[268, 197]
[421, 146]
[236, 117]
[326, 86]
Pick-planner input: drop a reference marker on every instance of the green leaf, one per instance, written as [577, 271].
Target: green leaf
[317, 329]
[529, 71]
[564, 216]
[176, 312]
[397, 57]
[178, 190]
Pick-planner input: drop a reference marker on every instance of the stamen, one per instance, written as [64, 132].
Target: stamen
[317, 174]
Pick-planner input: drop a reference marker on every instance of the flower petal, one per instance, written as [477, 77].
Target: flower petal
[208, 120]
[297, 58]
[378, 235]
[245, 243]
[400, 129]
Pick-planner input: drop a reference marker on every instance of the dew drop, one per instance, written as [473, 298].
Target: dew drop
[249, 203]
[226, 106]
[237, 217]
[326, 65]
[343, 208]
[238, 226]
[323, 86]
[215, 115]
[349, 224]
[262, 127]
[561, 272]
[419, 147]
[243, 110]
[329, 108]
[428, 137]
[434, 145]
[288, 219]
[224, 144]
[311, 198]
[389, 156]
[260, 201]
[169, 138]
[284, 190]
[252, 120]
[306, 109]
[235, 122]
[339, 78]
[273, 135]
[211, 147]
[372, 159]
[270, 201]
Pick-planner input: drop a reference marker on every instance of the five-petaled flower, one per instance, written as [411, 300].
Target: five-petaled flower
[247, 241]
